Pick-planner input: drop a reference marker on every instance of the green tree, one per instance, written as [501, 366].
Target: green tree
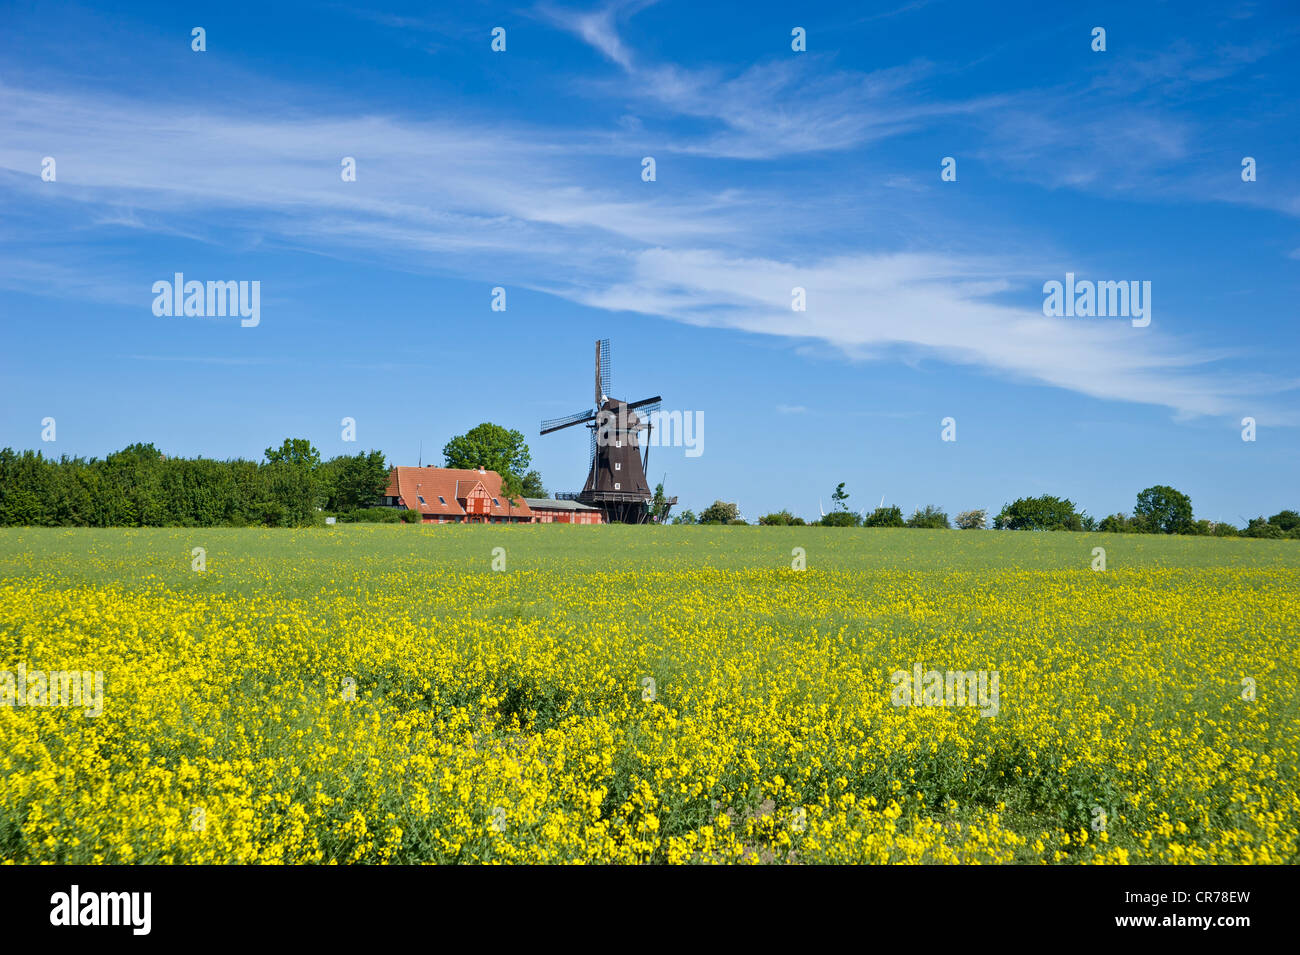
[931, 517]
[135, 472]
[891, 516]
[1116, 524]
[720, 512]
[353, 481]
[1258, 527]
[659, 504]
[23, 479]
[1044, 513]
[840, 519]
[781, 519]
[840, 515]
[295, 451]
[1287, 520]
[497, 449]
[293, 485]
[140, 486]
[532, 485]
[975, 520]
[488, 446]
[1164, 509]
[686, 517]
[512, 490]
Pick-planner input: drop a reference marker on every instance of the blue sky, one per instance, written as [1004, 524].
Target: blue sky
[775, 169]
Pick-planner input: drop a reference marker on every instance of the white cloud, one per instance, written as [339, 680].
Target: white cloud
[779, 107]
[597, 27]
[485, 200]
[934, 306]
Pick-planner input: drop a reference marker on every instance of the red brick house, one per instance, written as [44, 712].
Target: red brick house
[454, 496]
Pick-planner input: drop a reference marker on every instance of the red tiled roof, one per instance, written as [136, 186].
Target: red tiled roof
[465, 488]
[450, 484]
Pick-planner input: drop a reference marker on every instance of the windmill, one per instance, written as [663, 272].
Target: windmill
[616, 466]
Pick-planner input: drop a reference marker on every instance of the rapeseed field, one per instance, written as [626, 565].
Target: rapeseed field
[382, 694]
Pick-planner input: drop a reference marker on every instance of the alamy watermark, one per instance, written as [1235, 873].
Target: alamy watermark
[74, 907]
[1086, 299]
[667, 429]
[57, 688]
[946, 688]
[211, 300]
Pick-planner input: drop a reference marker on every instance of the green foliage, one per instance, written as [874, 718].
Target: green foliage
[929, 516]
[686, 517]
[891, 516]
[141, 487]
[840, 515]
[1287, 520]
[294, 484]
[781, 519]
[719, 512]
[1258, 527]
[532, 485]
[840, 498]
[372, 515]
[490, 446]
[1045, 513]
[976, 520]
[659, 504]
[840, 519]
[497, 449]
[1164, 509]
[1116, 524]
[295, 451]
[353, 481]
[411, 516]
[512, 487]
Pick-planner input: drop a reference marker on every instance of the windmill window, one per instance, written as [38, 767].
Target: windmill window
[618, 465]
[617, 486]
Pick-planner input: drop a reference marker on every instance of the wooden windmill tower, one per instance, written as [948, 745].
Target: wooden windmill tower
[616, 481]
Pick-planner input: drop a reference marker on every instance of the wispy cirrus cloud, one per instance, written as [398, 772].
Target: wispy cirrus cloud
[1122, 128]
[478, 198]
[754, 110]
[941, 307]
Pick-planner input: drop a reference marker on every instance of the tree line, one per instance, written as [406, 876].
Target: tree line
[140, 486]
[1158, 510]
